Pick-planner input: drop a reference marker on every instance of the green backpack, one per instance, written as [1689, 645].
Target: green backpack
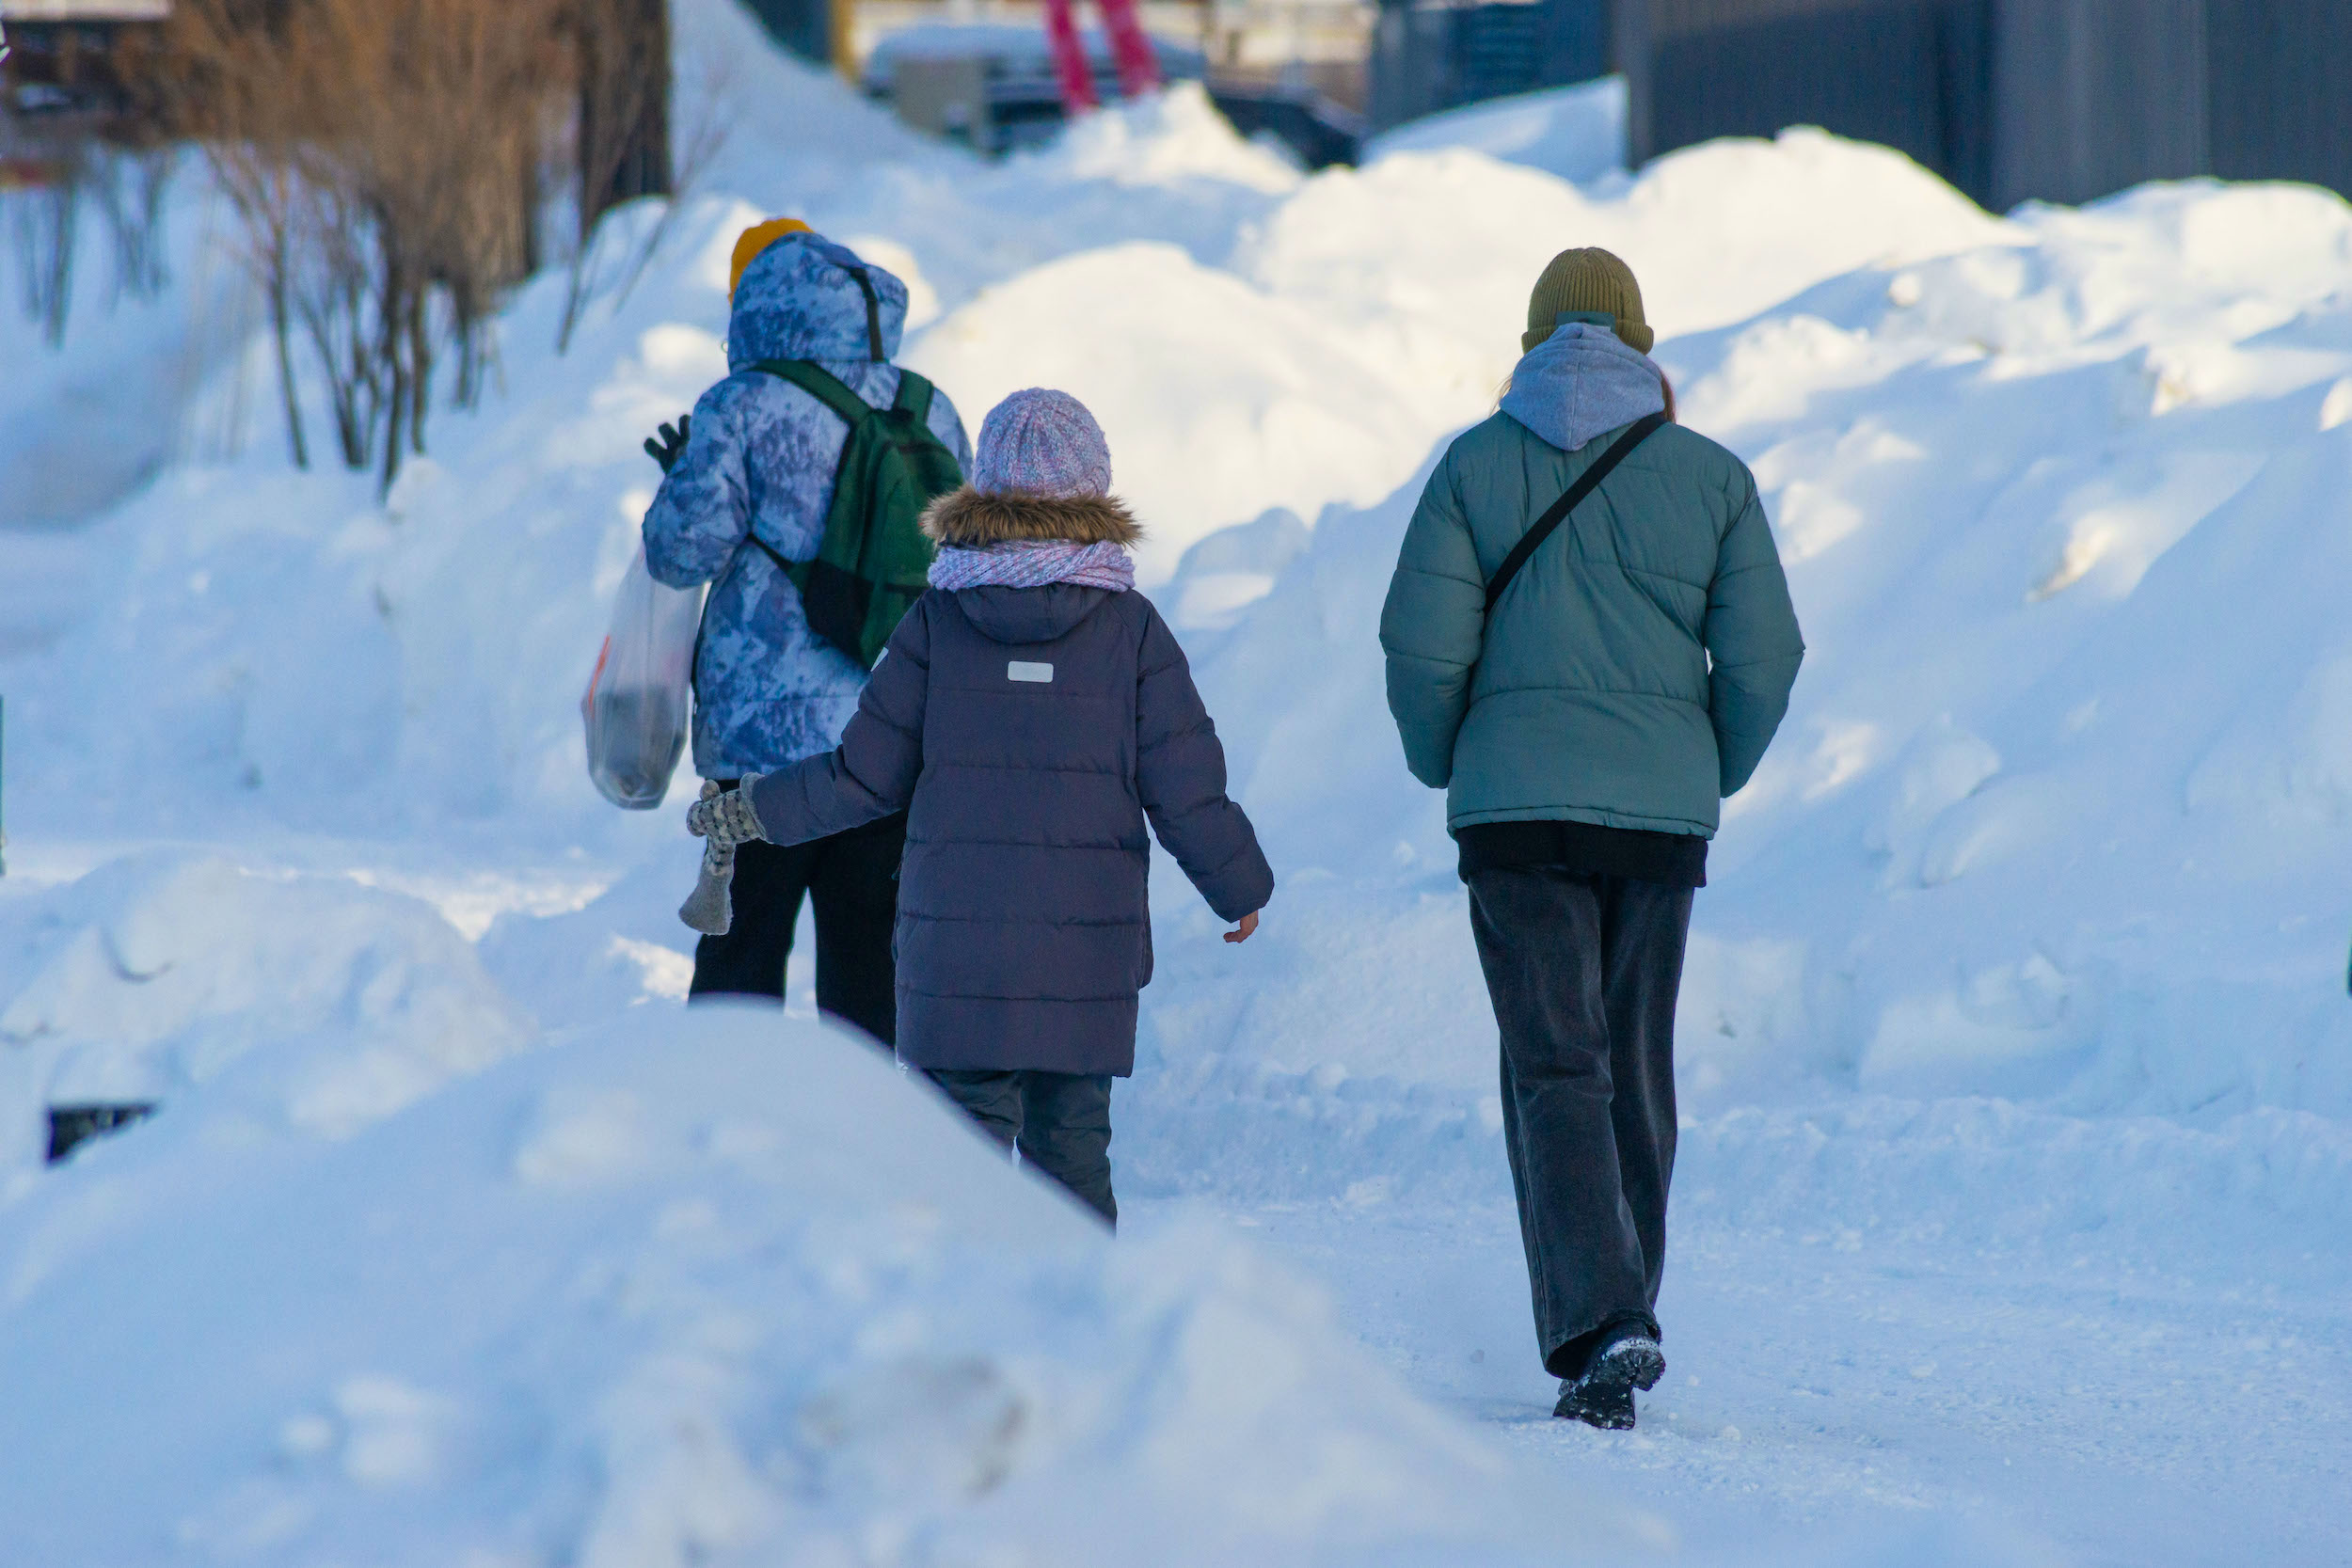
[875, 561]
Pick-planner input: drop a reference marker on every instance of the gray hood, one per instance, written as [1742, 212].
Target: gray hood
[1581, 382]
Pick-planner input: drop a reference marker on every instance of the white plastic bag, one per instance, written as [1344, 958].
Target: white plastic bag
[635, 709]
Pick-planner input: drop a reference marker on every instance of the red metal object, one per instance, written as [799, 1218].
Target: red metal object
[1070, 58]
[1130, 51]
[1139, 67]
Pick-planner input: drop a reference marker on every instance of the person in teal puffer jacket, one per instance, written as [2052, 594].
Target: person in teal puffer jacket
[1628, 679]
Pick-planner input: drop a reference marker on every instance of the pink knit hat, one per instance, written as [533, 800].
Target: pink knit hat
[1039, 442]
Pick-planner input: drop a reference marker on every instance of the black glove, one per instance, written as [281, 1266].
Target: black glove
[664, 449]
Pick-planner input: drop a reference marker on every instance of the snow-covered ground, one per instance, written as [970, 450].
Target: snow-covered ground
[2016, 1060]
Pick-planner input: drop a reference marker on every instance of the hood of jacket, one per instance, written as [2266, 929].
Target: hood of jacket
[970, 519]
[1581, 382]
[801, 300]
[1022, 615]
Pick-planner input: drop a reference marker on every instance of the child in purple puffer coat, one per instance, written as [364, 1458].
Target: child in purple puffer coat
[1032, 713]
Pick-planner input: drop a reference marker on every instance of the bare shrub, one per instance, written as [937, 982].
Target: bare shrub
[44, 230]
[622, 143]
[131, 186]
[125, 185]
[597, 269]
[389, 160]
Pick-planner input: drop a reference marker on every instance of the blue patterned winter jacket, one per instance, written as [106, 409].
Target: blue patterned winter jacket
[760, 461]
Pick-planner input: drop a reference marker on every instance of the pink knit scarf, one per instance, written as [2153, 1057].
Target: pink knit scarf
[1034, 564]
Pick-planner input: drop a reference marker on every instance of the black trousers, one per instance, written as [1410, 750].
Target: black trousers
[1583, 971]
[1060, 1121]
[853, 877]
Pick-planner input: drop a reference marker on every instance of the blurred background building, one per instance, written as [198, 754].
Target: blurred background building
[2010, 100]
[1429, 56]
[992, 84]
[68, 69]
[68, 55]
[982, 70]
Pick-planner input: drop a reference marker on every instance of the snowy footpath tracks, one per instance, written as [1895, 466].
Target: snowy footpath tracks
[1827, 1384]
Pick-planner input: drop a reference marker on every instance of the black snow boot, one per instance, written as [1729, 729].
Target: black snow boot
[1603, 1395]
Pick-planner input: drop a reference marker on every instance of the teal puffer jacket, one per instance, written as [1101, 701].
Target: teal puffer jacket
[1635, 672]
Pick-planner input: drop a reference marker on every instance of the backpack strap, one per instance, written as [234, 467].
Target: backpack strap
[872, 561]
[827, 388]
[914, 393]
[914, 397]
[818, 383]
[1586, 482]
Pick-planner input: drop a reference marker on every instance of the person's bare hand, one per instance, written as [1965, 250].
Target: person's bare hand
[1245, 929]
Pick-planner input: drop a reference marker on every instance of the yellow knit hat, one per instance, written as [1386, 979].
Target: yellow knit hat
[1588, 280]
[755, 239]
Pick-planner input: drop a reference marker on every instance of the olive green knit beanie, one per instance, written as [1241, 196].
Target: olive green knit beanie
[1587, 281]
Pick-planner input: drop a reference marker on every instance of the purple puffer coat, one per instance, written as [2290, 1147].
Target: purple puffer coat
[1029, 733]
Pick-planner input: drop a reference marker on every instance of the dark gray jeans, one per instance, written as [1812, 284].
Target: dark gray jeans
[1060, 1121]
[1583, 971]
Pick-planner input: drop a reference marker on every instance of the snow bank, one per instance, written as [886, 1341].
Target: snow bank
[1252, 336]
[1576, 133]
[161, 973]
[2059, 809]
[1249, 401]
[1364, 315]
[2060, 806]
[2060, 813]
[82, 431]
[706, 1288]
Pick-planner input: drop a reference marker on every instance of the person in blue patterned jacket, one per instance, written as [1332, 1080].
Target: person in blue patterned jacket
[750, 478]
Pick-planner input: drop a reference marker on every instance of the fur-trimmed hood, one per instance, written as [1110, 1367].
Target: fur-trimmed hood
[970, 519]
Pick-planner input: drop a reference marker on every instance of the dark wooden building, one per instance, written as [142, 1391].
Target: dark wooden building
[2010, 100]
[67, 82]
[1908, 73]
[1433, 55]
[73, 56]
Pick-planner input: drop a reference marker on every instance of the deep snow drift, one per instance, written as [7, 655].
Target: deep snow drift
[2015, 1055]
[647, 1300]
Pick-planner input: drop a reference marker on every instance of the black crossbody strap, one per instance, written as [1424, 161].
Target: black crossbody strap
[1586, 482]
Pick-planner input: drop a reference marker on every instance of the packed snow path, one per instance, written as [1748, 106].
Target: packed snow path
[2129, 1415]
[2016, 1064]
